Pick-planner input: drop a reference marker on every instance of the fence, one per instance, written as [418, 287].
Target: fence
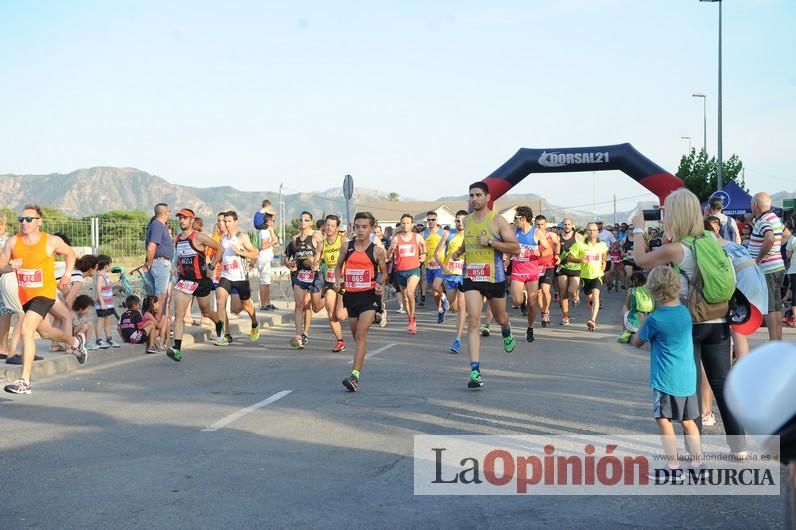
[123, 241]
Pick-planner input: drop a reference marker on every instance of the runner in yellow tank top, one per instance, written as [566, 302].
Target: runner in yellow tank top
[333, 242]
[486, 238]
[452, 274]
[433, 234]
[592, 254]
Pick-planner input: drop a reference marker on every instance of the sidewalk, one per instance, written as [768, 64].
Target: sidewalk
[55, 363]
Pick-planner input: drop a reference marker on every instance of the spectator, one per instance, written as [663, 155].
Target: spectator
[82, 306]
[156, 323]
[746, 234]
[764, 247]
[103, 287]
[198, 224]
[604, 234]
[159, 251]
[265, 258]
[131, 325]
[728, 228]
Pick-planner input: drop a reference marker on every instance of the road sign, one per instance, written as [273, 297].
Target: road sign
[348, 187]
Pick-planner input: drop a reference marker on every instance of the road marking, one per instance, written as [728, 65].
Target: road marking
[376, 351]
[220, 424]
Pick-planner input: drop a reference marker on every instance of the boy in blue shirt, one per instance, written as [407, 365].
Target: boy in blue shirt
[672, 367]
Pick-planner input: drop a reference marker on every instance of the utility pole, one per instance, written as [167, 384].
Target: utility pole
[614, 208]
[282, 218]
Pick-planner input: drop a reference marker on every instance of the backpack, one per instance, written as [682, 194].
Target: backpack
[642, 300]
[259, 220]
[713, 284]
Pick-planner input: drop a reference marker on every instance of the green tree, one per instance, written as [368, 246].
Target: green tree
[291, 230]
[394, 196]
[700, 173]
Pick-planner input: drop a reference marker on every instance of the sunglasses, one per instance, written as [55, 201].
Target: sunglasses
[28, 219]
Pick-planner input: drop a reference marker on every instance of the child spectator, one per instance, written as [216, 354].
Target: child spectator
[131, 324]
[161, 324]
[638, 301]
[105, 310]
[82, 324]
[672, 367]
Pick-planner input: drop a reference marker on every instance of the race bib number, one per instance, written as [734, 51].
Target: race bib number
[186, 286]
[456, 266]
[406, 251]
[358, 279]
[542, 270]
[592, 257]
[305, 276]
[479, 272]
[30, 278]
[330, 276]
[432, 265]
[524, 255]
[230, 264]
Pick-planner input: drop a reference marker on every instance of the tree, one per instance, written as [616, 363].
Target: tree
[700, 176]
[291, 230]
[394, 196]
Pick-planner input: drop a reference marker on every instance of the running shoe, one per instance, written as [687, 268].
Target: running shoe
[440, 316]
[153, 349]
[556, 298]
[446, 305]
[422, 301]
[174, 354]
[228, 337]
[509, 343]
[304, 339]
[297, 343]
[262, 308]
[18, 387]
[546, 320]
[475, 381]
[383, 323]
[102, 345]
[339, 346]
[565, 321]
[255, 334]
[624, 338]
[377, 318]
[80, 350]
[351, 383]
[113, 344]
[524, 307]
[456, 345]
[529, 334]
[412, 326]
[709, 419]
[485, 330]
[221, 341]
[91, 346]
[401, 310]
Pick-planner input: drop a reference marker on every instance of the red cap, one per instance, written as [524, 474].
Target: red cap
[186, 212]
[751, 325]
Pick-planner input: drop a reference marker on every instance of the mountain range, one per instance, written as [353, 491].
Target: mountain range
[96, 190]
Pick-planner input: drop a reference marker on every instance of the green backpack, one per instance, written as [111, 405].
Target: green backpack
[714, 284]
[641, 300]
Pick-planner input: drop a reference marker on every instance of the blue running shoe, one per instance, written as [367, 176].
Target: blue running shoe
[456, 345]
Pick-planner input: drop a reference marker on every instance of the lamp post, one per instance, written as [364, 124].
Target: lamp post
[704, 120]
[719, 161]
[689, 142]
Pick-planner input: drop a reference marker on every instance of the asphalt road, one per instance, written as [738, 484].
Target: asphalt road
[150, 443]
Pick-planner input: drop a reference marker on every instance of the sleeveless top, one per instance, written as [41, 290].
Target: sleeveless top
[548, 260]
[407, 253]
[456, 267]
[360, 269]
[482, 264]
[36, 275]
[232, 266]
[432, 240]
[190, 260]
[526, 262]
[330, 256]
[566, 248]
[106, 293]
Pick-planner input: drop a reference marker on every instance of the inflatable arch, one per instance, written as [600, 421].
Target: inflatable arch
[622, 157]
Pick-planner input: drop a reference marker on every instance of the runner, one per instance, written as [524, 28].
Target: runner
[487, 237]
[452, 274]
[332, 244]
[190, 247]
[432, 235]
[363, 262]
[569, 273]
[548, 262]
[615, 255]
[592, 254]
[31, 256]
[409, 250]
[236, 249]
[525, 264]
[305, 255]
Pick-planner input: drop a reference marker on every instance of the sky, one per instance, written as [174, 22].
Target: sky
[418, 98]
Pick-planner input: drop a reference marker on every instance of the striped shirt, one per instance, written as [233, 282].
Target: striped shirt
[772, 261]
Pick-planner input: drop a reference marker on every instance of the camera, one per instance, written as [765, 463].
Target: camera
[652, 215]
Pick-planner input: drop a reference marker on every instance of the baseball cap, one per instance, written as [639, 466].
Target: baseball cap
[186, 212]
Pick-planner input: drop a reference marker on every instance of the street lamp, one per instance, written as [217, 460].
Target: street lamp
[704, 120]
[689, 142]
[719, 162]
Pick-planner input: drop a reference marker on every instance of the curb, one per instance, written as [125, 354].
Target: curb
[57, 364]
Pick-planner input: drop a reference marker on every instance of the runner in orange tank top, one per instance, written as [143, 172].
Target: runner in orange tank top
[30, 255]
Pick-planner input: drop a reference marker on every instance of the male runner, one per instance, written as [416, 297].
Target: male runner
[362, 262]
[190, 248]
[432, 235]
[548, 262]
[568, 273]
[305, 253]
[236, 248]
[452, 274]
[592, 254]
[31, 256]
[525, 264]
[486, 238]
[409, 250]
[333, 243]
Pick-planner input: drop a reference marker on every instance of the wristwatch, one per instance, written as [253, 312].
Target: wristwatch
[489, 242]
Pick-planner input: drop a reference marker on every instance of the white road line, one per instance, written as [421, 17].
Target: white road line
[220, 424]
[376, 351]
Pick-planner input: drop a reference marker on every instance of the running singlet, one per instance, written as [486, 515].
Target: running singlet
[231, 264]
[483, 264]
[36, 275]
[432, 240]
[106, 293]
[360, 269]
[592, 255]
[616, 256]
[190, 260]
[304, 249]
[566, 249]
[549, 259]
[526, 261]
[455, 266]
[330, 255]
[407, 253]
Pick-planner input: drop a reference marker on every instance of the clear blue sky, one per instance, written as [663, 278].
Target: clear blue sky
[420, 98]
